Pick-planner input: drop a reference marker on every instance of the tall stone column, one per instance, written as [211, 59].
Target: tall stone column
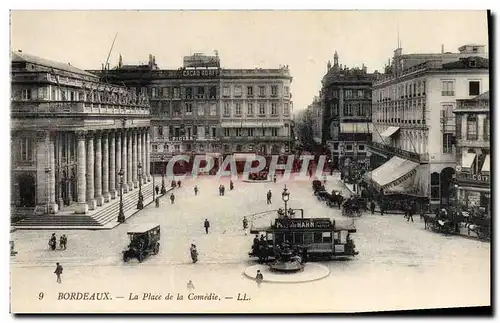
[90, 172]
[148, 151]
[124, 162]
[98, 170]
[52, 174]
[145, 173]
[105, 167]
[112, 165]
[81, 172]
[130, 182]
[134, 157]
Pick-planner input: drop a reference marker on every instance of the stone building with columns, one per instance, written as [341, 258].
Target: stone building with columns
[414, 128]
[70, 136]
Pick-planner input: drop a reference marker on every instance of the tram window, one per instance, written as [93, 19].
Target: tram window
[279, 239]
[289, 237]
[308, 237]
[327, 237]
[318, 238]
[298, 237]
[269, 237]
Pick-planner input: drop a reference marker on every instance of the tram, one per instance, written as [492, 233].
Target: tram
[313, 238]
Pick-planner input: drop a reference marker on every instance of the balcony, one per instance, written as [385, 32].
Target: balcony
[468, 179]
[394, 151]
[75, 107]
[247, 138]
[473, 143]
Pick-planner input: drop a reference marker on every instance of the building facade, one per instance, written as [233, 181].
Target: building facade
[347, 115]
[204, 109]
[473, 153]
[414, 126]
[70, 136]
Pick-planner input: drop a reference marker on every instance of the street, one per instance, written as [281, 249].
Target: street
[400, 265]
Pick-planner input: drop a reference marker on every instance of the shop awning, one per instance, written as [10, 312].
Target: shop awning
[389, 131]
[393, 170]
[355, 127]
[486, 164]
[468, 159]
[243, 157]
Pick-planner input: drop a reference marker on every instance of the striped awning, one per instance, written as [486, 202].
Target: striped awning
[468, 159]
[356, 127]
[486, 164]
[389, 131]
[393, 172]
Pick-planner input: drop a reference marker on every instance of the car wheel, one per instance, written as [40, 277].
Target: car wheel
[156, 249]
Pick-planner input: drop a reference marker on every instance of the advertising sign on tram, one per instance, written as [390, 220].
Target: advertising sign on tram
[303, 223]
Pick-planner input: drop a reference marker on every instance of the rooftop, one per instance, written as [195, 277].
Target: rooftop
[28, 58]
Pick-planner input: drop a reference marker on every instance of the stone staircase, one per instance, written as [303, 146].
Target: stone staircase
[104, 217]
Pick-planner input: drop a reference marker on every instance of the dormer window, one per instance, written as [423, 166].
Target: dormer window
[472, 63]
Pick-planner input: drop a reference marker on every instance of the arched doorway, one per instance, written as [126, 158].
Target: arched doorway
[435, 181]
[446, 181]
[27, 191]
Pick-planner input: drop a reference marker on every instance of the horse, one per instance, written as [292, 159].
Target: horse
[429, 221]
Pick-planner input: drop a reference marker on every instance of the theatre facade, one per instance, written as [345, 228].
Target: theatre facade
[70, 136]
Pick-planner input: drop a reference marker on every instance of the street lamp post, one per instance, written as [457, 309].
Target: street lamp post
[285, 196]
[163, 189]
[121, 215]
[47, 172]
[140, 202]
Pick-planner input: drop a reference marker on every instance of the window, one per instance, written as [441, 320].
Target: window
[262, 91]
[238, 132]
[201, 147]
[274, 132]
[361, 147]
[336, 146]
[262, 109]
[274, 109]
[177, 148]
[360, 93]
[154, 92]
[200, 92]
[212, 92]
[189, 92]
[227, 109]
[201, 109]
[43, 93]
[447, 88]
[227, 132]
[348, 147]
[188, 147]
[447, 143]
[165, 148]
[213, 109]
[287, 90]
[237, 91]
[238, 109]
[239, 148]
[250, 109]
[471, 128]
[160, 131]
[347, 109]
[26, 94]
[286, 109]
[249, 90]
[348, 93]
[214, 132]
[166, 92]
[225, 91]
[176, 93]
[474, 87]
[250, 132]
[486, 128]
[274, 90]
[26, 149]
[189, 108]
[155, 147]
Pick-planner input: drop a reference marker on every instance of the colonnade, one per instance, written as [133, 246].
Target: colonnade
[101, 154]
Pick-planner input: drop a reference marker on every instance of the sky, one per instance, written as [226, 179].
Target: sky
[303, 40]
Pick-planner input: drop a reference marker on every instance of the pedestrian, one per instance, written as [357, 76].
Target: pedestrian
[223, 190]
[269, 195]
[63, 242]
[195, 190]
[58, 272]
[274, 178]
[157, 202]
[231, 185]
[259, 278]
[410, 216]
[194, 253]
[220, 190]
[372, 206]
[382, 207]
[157, 189]
[179, 184]
[206, 225]
[190, 286]
[53, 242]
[172, 198]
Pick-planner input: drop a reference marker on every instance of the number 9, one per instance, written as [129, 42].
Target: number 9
[40, 296]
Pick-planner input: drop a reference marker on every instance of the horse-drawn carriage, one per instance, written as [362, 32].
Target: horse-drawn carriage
[352, 207]
[448, 223]
[317, 185]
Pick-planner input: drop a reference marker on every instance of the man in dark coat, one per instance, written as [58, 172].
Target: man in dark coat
[372, 206]
[58, 272]
[157, 189]
[269, 195]
[206, 225]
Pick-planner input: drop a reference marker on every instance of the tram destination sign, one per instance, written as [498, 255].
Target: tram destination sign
[303, 223]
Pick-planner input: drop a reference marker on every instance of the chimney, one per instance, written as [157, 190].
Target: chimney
[442, 48]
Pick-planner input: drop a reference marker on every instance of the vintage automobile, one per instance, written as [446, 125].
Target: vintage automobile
[316, 185]
[144, 241]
